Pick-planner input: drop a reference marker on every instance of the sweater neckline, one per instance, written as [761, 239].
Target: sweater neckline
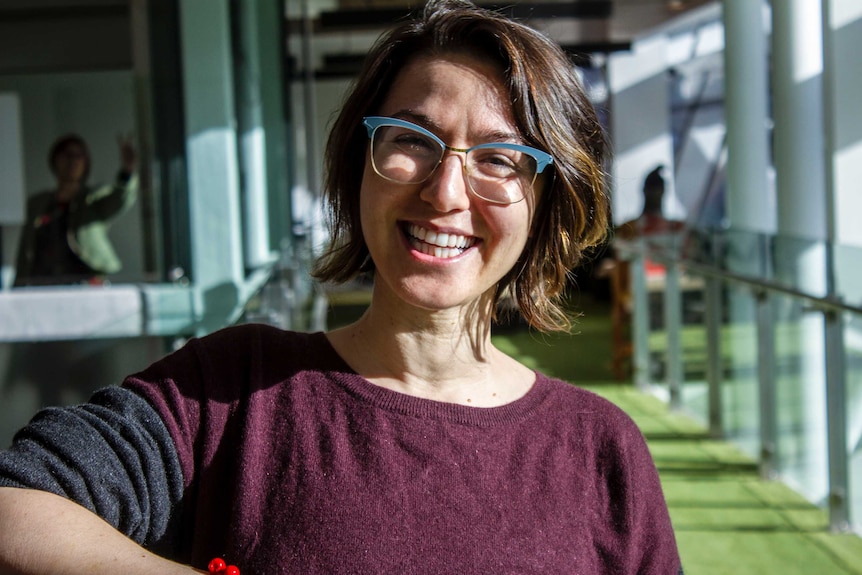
[411, 405]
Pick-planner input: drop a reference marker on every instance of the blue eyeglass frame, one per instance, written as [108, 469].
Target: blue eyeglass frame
[543, 159]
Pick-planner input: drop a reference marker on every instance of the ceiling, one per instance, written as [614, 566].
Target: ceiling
[568, 21]
[345, 28]
[624, 20]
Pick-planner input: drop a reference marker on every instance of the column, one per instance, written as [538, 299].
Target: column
[750, 205]
[800, 250]
[211, 148]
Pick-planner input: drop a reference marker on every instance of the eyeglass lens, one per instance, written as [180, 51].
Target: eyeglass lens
[403, 155]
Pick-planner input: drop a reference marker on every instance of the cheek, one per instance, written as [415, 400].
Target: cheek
[366, 194]
[370, 205]
[512, 231]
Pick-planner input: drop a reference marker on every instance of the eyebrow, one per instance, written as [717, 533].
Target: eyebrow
[490, 137]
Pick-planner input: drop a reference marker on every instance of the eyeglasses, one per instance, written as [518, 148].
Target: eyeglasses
[499, 172]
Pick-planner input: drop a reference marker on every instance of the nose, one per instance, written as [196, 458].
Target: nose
[447, 188]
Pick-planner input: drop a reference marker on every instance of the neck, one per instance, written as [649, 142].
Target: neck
[442, 355]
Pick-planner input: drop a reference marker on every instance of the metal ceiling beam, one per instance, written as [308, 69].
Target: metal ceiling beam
[371, 17]
[349, 65]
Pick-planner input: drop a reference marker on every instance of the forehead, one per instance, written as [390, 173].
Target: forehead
[452, 89]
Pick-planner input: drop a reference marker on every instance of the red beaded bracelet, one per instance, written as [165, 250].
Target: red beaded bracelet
[218, 567]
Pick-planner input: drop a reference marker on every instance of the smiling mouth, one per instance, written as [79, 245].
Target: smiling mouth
[439, 245]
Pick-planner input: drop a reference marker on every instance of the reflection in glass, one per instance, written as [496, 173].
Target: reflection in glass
[740, 398]
[800, 374]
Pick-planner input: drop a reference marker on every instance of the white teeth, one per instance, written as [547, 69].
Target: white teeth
[440, 245]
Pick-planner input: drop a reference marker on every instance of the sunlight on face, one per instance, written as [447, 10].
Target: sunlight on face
[435, 244]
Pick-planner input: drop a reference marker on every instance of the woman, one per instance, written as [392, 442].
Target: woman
[65, 237]
[465, 163]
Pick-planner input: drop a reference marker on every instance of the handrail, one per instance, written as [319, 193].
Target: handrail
[824, 303]
[832, 302]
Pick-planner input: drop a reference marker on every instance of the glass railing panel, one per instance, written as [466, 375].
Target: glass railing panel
[657, 342]
[740, 400]
[783, 283]
[848, 274]
[793, 263]
[702, 246]
[745, 254]
[693, 339]
[799, 265]
[800, 396]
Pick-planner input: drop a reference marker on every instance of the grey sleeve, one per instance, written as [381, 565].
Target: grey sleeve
[112, 455]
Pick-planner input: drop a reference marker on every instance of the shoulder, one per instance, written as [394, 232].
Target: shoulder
[606, 442]
[580, 401]
[254, 338]
[596, 419]
[246, 369]
[256, 353]
[237, 358]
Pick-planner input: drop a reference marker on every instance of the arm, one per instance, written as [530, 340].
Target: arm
[89, 475]
[638, 534]
[128, 154]
[111, 201]
[44, 533]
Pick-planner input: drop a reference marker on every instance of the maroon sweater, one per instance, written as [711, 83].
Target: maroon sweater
[291, 463]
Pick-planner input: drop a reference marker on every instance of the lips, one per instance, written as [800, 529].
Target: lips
[438, 244]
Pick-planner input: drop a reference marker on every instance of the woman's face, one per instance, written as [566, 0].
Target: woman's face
[463, 101]
[70, 163]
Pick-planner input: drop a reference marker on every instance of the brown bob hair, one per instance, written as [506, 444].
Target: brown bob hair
[552, 113]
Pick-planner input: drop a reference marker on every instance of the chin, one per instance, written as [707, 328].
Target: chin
[442, 297]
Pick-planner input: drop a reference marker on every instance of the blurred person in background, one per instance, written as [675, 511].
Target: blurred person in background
[652, 220]
[65, 236]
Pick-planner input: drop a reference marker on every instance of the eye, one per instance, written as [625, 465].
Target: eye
[410, 142]
[498, 162]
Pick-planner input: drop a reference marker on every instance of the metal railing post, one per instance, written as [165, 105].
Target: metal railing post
[714, 363]
[836, 421]
[640, 320]
[766, 386]
[673, 328]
